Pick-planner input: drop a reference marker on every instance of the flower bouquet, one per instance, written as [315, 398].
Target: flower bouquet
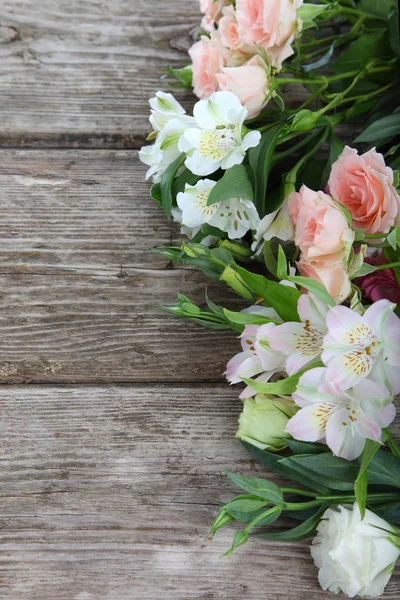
[306, 230]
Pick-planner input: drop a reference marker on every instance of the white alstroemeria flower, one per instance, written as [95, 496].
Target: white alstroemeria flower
[235, 216]
[302, 342]
[217, 141]
[164, 107]
[257, 357]
[165, 149]
[191, 232]
[277, 224]
[359, 346]
[354, 555]
[344, 418]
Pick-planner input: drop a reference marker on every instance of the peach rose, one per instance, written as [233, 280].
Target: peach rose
[364, 185]
[250, 83]
[325, 240]
[212, 10]
[208, 59]
[271, 24]
[228, 29]
[333, 277]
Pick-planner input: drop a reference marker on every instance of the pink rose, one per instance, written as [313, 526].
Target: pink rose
[208, 59]
[324, 238]
[212, 10]
[379, 285]
[250, 83]
[321, 230]
[228, 29]
[270, 24]
[364, 185]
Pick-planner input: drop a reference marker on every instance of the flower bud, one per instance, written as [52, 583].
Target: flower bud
[263, 421]
[234, 281]
[238, 251]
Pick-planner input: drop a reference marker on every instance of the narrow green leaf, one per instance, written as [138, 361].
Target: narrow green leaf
[394, 33]
[274, 463]
[365, 269]
[269, 259]
[384, 469]
[260, 159]
[240, 538]
[382, 128]
[282, 298]
[301, 532]
[380, 8]
[166, 184]
[369, 46]
[361, 483]
[282, 268]
[298, 447]
[235, 183]
[315, 287]
[246, 318]
[259, 487]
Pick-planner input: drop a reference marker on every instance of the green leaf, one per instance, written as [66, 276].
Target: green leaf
[315, 287]
[394, 33]
[338, 473]
[298, 447]
[246, 318]
[184, 75]
[282, 269]
[235, 183]
[380, 8]
[301, 532]
[259, 487]
[274, 463]
[390, 511]
[179, 183]
[392, 238]
[166, 184]
[382, 128]
[384, 469]
[369, 46]
[243, 508]
[284, 386]
[269, 259]
[365, 269]
[260, 159]
[335, 150]
[155, 192]
[282, 298]
[309, 12]
[361, 483]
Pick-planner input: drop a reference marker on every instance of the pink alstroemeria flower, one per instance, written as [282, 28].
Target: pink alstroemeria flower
[301, 342]
[357, 347]
[345, 418]
[257, 357]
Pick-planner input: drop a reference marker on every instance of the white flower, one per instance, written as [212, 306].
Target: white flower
[165, 149]
[164, 107]
[354, 556]
[169, 122]
[217, 141]
[235, 216]
[277, 224]
[191, 232]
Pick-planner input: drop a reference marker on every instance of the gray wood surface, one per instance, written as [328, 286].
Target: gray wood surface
[117, 428]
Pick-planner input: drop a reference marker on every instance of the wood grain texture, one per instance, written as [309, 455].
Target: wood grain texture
[79, 73]
[108, 494]
[70, 211]
[103, 328]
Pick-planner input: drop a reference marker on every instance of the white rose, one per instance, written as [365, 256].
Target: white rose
[354, 556]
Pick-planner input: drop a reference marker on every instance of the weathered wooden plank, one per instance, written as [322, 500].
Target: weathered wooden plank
[104, 328]
[78, 212]
[79, 73]
[108, 494]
